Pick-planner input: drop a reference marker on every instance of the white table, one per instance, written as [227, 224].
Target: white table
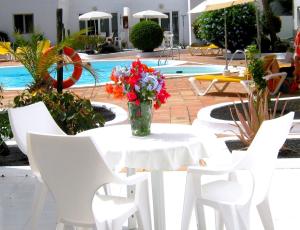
[168, 147]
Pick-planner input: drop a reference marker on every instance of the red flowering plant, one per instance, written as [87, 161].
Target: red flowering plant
[139, 84]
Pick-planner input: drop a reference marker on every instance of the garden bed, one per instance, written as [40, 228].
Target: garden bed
[111, 113]
[290, 149]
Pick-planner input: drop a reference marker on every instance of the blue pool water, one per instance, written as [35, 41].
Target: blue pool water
[18, 77]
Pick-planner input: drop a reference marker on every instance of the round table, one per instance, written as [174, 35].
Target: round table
[168, 147]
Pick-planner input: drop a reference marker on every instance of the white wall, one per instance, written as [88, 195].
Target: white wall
[116, 6]
[44, 12]
[193, 4]
[296, 14]
[286, 28]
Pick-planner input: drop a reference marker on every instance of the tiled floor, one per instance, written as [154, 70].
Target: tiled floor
[182, 106]
[17, 192]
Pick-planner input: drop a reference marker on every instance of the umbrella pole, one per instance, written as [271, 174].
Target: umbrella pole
[226, 42]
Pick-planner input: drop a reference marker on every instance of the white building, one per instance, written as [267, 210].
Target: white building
[40, 15]
[24, 15]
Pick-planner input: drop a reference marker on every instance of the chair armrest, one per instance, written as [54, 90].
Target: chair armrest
[131, 180]
[274, 75]
[227, 166]
[207, 170]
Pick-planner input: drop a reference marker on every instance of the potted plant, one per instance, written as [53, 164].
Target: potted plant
[144, 87]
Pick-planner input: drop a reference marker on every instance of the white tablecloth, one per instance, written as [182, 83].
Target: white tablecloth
[168, 147]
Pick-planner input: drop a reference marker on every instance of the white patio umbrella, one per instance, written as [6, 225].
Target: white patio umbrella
[209, 5]
[149, 14]
[94, 15]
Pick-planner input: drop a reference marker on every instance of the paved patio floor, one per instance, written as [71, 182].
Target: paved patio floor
[17, 189]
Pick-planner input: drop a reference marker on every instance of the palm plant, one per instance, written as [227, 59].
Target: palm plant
[253, 114]
[31, 55]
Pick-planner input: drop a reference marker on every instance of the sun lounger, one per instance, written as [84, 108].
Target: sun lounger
[214, 80]
[210, 50]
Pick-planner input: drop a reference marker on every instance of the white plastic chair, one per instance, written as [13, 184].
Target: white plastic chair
[73, 169]
[233, 200]
[34, 118]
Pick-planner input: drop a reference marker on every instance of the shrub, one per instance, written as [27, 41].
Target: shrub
[87, 42]
[5, 130]
[275, 20]
[241, 30]
[265, 44]
[255, 67]
[72, 113]
[4, 37]
[146, 36]
[108, 48]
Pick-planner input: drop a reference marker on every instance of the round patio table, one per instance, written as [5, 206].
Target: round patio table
[168, 147]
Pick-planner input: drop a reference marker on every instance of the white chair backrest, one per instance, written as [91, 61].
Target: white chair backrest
[34, 118]
[168, 39]
[31, 118]
[262, 153]
[73, 169]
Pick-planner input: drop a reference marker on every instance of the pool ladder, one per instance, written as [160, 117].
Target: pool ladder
[168, 52]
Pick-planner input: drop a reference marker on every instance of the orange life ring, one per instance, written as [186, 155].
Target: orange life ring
[297, 43]
[70, 52]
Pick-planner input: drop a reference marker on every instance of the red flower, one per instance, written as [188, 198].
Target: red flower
[156, 105]
[118, 91]
[137, 102]
[109, 88]
[136, 84]
[131, 96]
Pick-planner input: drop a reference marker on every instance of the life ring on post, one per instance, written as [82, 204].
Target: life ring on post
[70, 52]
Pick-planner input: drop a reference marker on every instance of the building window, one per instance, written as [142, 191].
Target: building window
[23, 23]
[114, 24]
[175, 27]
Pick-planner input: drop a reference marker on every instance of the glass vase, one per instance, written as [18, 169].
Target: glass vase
[140, 117]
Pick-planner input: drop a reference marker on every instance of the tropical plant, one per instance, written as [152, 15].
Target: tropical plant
[240, 21]
[72, 113]
[146, 36]
[30, 54]
[87, 41]
[253, 113]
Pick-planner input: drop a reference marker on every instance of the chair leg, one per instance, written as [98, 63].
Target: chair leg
[107, 190]
[230, 217]
[265, 214]
[219, 223]
[200, 217]
[40, 194]
[143, 204]
[189, 203]
[60, 226]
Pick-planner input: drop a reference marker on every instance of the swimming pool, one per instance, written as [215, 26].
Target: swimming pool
[190, 70]
[18, 77]
[15, 77]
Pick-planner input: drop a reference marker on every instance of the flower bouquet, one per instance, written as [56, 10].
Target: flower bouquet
[142, 86]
